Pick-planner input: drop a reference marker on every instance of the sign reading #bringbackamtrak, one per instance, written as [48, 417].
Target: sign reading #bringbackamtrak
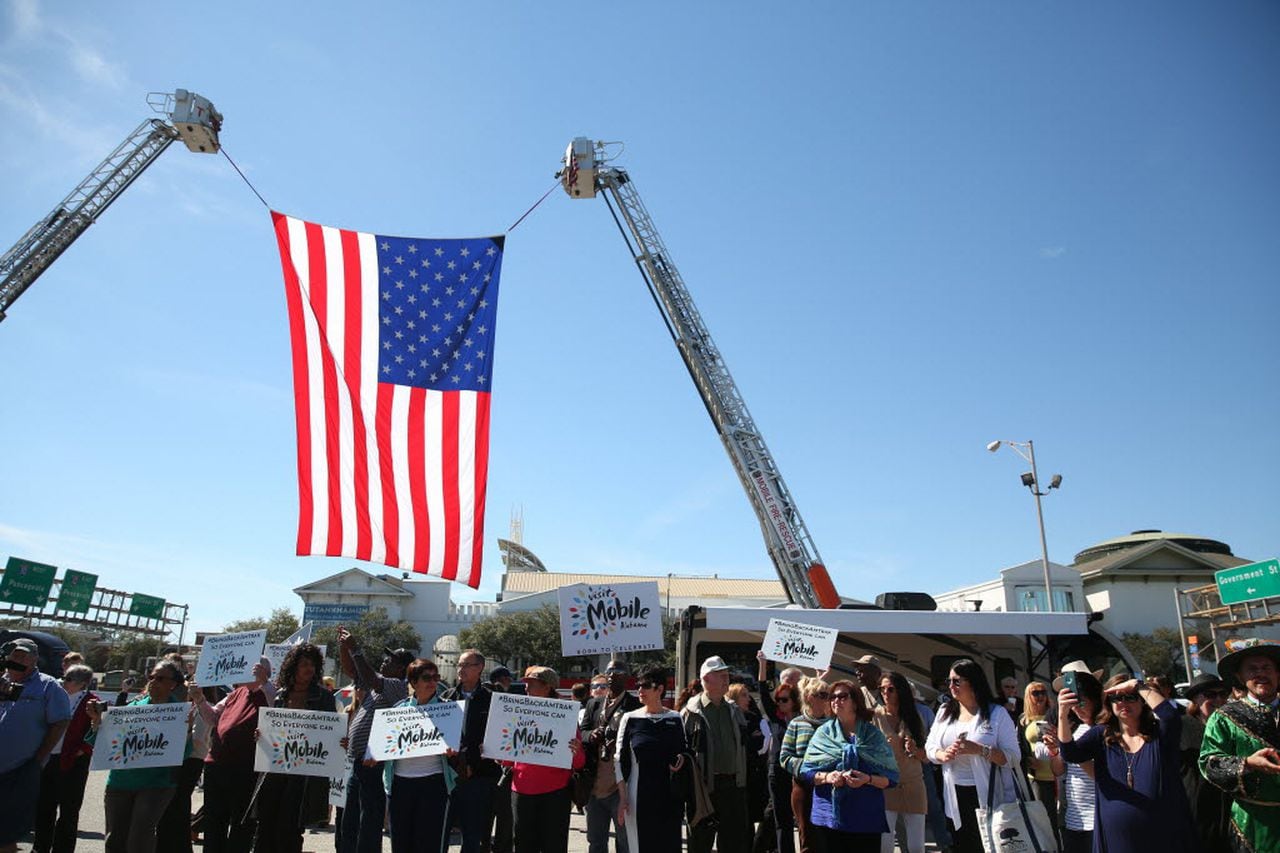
[229, 658]
[798, 644]
[300, 743]
[621, 617]
[412, 731]
[136, 736]
[531, 730]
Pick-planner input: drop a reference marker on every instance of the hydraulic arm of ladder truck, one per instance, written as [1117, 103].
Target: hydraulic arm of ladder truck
[794, 554]
[191, 118]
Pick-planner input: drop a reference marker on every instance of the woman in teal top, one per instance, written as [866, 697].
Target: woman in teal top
[135, 799]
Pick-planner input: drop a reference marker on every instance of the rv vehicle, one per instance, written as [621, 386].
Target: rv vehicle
[920, 644]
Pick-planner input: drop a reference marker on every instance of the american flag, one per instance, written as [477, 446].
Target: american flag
[392, 341]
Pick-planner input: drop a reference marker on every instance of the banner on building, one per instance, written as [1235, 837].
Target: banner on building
[531, 730]
[300, 743]
[622, 617]
[136, 736]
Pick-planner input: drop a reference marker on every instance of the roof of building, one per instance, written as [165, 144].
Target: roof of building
[1118, 559]
[1138, 538]
[528, 583]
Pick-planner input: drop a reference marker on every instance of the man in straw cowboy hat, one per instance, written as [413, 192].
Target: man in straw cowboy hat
[1240, 754]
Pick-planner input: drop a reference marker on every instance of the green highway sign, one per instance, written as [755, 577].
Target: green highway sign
[146, 606]
[26, 582]
[1246, 583]
[77, 591]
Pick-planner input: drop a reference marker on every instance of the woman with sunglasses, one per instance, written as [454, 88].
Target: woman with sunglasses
[651, 750]
[849, 763]
[418, 788]
[777, 830]
[1032, 724]
[815, 698]
[972, 734]
[1141, 803]
[899, 721]
[136, 799]
[1078, 790]
[1210, 805]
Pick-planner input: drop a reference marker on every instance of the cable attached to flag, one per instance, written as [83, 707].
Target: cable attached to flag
[535, 207]
[223, 149]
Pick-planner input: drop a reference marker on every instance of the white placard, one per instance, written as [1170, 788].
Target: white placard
[300, 743]
[276, 652]
[531, 730]
[338, 786]
[135, 736]
[412, 731]
[798, 644]
[230, 658]
[623, 617]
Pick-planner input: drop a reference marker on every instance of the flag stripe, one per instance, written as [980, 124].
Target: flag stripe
[392, 465]
[352, 363]
[298, 346]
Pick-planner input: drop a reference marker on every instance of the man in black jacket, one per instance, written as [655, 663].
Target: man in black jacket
[471, 805]
[600, 735]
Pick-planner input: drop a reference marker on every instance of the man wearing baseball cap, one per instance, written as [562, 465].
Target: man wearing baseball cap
[716, 732]
[1240, 752]
[34, 713]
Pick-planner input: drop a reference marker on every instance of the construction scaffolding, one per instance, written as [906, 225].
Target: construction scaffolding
[1200, 610]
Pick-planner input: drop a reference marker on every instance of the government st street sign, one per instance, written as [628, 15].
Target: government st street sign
[146, 606]
[1246, 583]
[26, 582]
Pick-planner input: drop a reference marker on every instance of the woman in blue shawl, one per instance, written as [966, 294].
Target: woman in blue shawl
[849, 763]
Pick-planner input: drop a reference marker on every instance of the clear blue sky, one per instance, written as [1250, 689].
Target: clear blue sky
[911, 229]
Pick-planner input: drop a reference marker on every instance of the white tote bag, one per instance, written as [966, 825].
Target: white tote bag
[1019, 827]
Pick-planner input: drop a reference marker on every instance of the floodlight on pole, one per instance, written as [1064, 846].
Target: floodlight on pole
[1032, 481]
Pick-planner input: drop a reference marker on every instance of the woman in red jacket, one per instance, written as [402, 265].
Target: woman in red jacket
[543, 794]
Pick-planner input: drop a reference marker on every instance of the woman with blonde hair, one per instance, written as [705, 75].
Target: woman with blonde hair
[1033, 724]
[815, 699]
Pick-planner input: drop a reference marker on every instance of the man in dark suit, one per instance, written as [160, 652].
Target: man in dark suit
[599, 738]
[471, 805]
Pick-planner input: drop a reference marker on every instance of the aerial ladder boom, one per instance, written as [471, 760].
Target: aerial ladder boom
[192, 119]
[794, 554]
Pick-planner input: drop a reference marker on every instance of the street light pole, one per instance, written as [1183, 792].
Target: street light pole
[1034, 486]
[1044, 548]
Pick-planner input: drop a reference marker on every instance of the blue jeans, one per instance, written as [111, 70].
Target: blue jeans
[365, 811]
[601, 812]
[937, 818]
[471, 810]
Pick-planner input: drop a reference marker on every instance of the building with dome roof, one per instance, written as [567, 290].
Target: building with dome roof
[1129, 580]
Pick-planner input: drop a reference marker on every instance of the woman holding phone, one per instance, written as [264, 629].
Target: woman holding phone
[1141, 802]
[1078, 793]
[972, 733]
[1033, 724]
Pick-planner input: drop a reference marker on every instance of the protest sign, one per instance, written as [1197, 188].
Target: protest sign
[411, 731]
[623, 617]
[135, 736]
[338, 786]
[229, 658]
[275, 653]
[798, 644]
[300, 743]
[531, 730]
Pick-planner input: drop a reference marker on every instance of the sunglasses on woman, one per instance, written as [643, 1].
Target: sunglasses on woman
[839, 697]
[1125, 697]
[1039, 694]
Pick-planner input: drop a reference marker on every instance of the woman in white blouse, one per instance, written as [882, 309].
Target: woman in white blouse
[972, 733]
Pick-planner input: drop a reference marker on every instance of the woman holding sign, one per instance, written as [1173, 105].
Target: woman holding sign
[543, 793]
[135, 799]
[651, 751]
[418, 788]
[285, 804]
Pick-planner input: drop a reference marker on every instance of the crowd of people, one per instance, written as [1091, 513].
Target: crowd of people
[819, 763]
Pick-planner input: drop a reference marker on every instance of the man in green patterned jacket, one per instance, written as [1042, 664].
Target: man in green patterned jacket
[1240, 754]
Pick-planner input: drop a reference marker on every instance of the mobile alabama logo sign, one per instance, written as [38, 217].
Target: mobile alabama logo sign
[609, 618]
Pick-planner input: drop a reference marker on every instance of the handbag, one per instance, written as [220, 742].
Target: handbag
[580, 787]
[1015, 827]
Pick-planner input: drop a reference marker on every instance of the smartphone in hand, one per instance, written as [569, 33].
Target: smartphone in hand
[1069, 682]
